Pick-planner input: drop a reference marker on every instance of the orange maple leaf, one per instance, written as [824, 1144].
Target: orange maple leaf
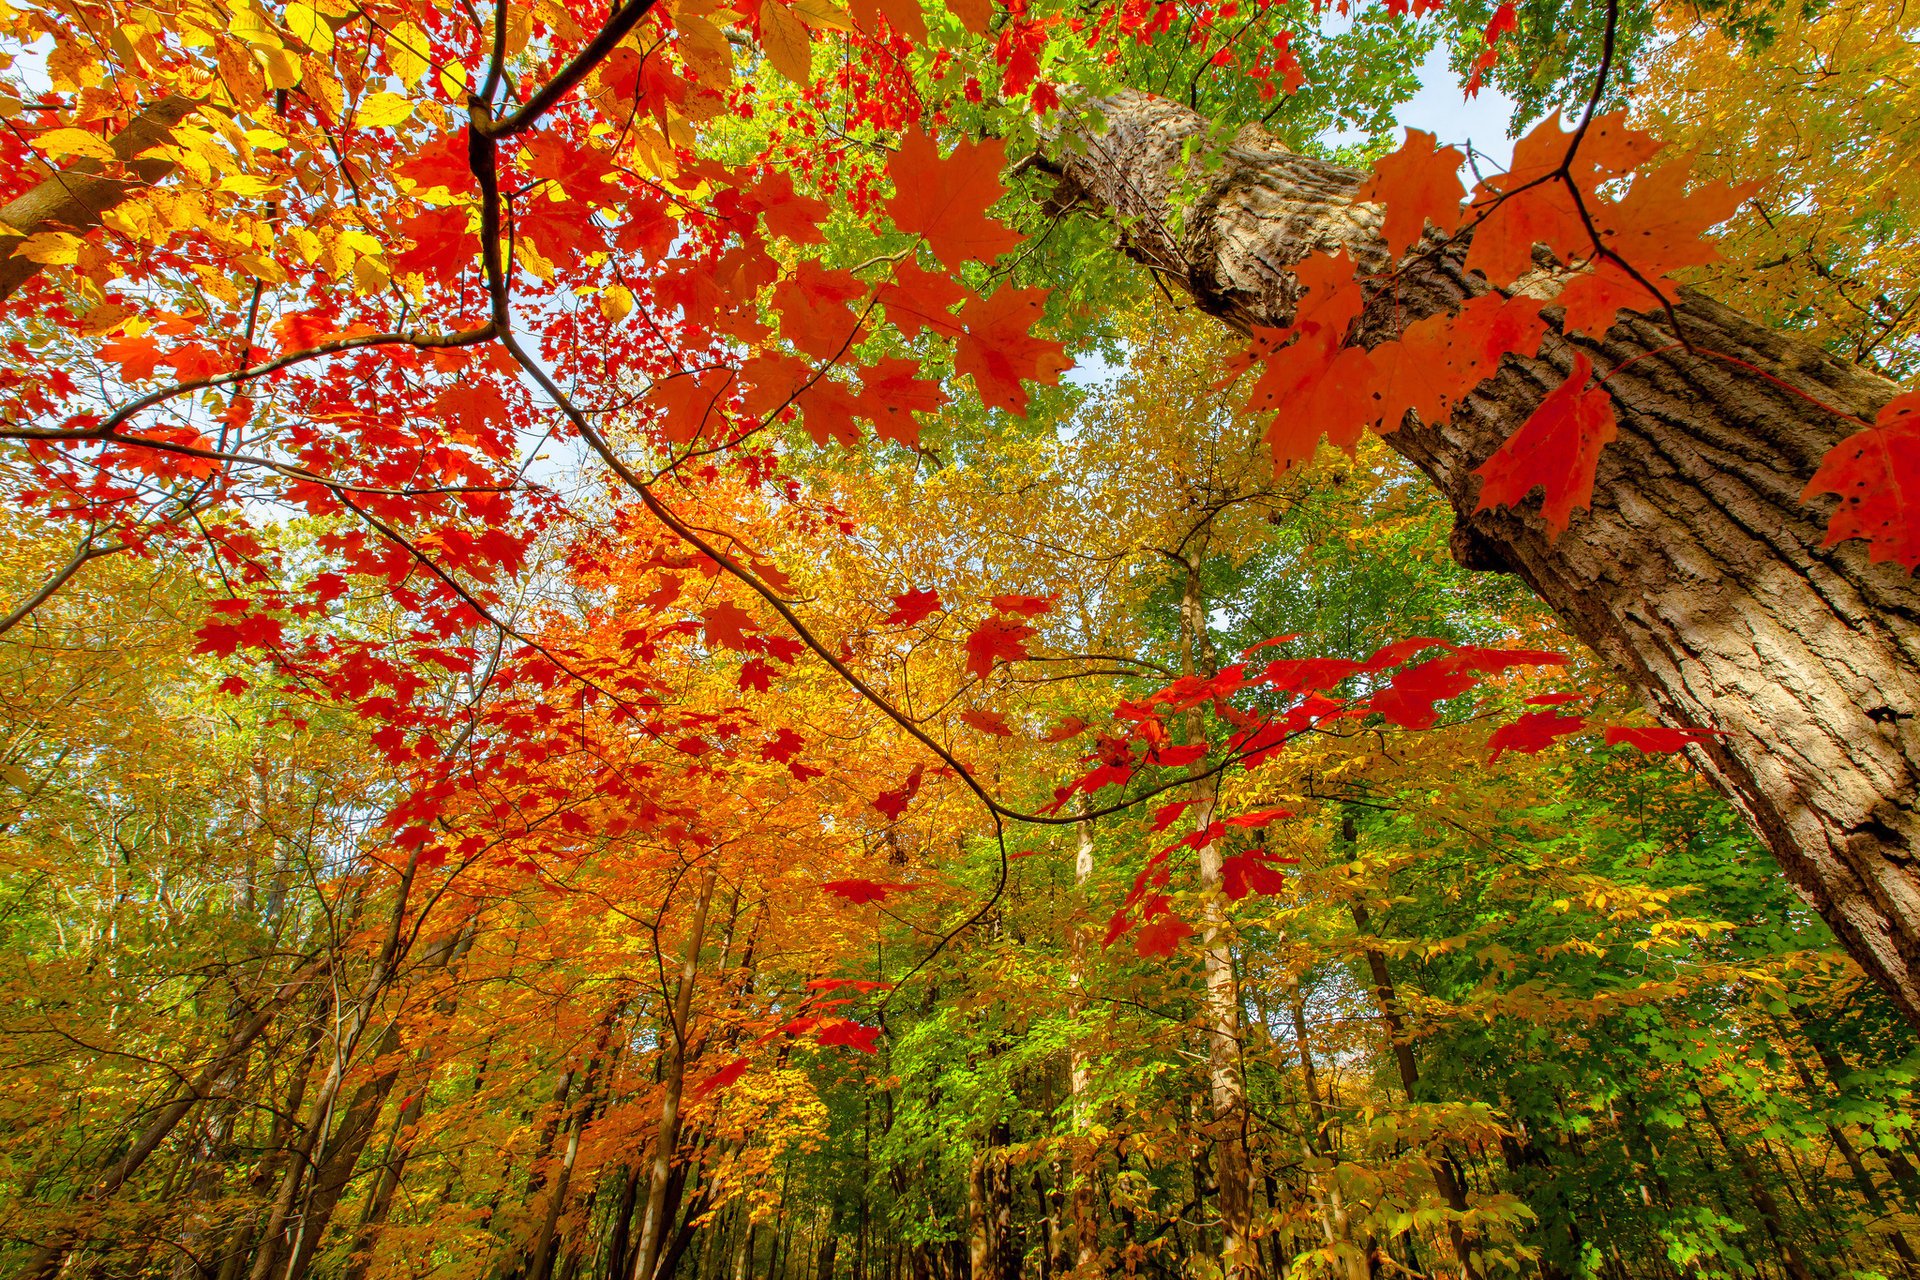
[946, 200]
[999, 351]
[1555, 449]
[1418, 184]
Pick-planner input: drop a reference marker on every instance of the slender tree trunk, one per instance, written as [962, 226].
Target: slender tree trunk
[1445, 1181]
[1698, 572]
[653, 1226]
[1762, 1197]
[1226, 1085]
[48, 1258]
[1086, 1224]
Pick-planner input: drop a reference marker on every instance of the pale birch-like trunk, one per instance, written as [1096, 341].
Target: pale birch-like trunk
[1698, 571]
[1226, 1087]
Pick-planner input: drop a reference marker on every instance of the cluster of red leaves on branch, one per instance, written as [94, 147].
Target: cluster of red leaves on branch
[1615, 249]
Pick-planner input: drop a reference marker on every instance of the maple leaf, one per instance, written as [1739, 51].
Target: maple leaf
[137, 357]
[996, 638]
[988, 722]
[1556, 449]
[1161, 937]
[756, 674]
[918, 299]
[903, 16]
[975, 15]
[1657, 739]
[891, 393]
[852, 1035]
[1532, 733]
[1876, 473]
[689, 404]
[1069, 727]
[720, 1079]
[1030, 606]
[1261, 818]
[999, 350]
[786, 214]
[728, 624]
[1250, 872]
[894, 803]
[814, 312]
[860, 892]
[781, 747]
[1417, 184]
[946, 200]
[913, 606]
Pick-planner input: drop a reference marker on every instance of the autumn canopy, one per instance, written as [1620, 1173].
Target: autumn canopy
[980, 638]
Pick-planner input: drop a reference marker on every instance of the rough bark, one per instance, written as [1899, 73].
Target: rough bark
[1698, 572]
[74, 199]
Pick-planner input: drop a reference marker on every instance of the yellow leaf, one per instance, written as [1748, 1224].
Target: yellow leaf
[369, 275]
[382, 110]
[281, 67]
[73, 142]
[309, 27]
[822, 16]
[51, 248]
[246, 184]
[616, 304]
[407, 53]
[785, 39]
[453, 79]
[704, 48]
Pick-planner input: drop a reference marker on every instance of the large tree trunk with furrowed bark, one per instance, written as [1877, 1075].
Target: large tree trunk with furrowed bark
[1698, 572]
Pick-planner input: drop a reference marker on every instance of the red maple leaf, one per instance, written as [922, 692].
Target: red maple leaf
[719, 1079]
[788, 215]
[1031, 606]
[1556, 449]
[1418, 184]
[913, 606]
[891, 393]
[946, 200]
[1876, 472]
[894, 803]
[1250, 872]
[918, 299]
[1161, 937]
[860, 892]
[999, 350]
[814, 312]
[689, 404]
[853, 1035]
[1070, 727]
[728, 624]
[989, 722]
[996, 638]
[1533, 732]
[1657, 739]
[781, 746]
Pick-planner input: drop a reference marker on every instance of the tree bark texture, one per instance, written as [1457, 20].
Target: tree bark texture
[75, 198]
[1698, 572]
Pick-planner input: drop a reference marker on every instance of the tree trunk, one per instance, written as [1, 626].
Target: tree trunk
[1444, 1179]
[653, 1226]
[1086, 1225]
[1226, 1087]
[1698, 572]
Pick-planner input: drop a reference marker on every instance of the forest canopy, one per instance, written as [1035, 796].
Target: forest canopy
[990, 639]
